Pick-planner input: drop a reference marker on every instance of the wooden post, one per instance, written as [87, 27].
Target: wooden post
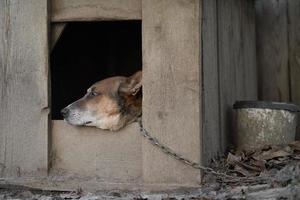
[171, 88]
[24, 88]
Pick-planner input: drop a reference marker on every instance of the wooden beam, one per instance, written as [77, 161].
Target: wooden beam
[171, 88]
[94, 10]
[24, 88]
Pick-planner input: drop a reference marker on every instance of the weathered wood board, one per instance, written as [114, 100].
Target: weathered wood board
[211, 113]
[229, 69]
[24, 88]
[171, 88]
[272, 50]
[112, 157]
[294, 49]
[93, 10]
[237, 66]
[294, 53]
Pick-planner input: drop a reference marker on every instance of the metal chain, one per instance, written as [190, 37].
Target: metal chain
[175, 155]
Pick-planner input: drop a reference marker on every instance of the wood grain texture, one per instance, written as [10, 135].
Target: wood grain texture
[294, 53]
[237, 69]
[24, 88]
[171, 88]
[111, 157]
[272, 50]
[92, 10]
[211, 114]
[248, 73]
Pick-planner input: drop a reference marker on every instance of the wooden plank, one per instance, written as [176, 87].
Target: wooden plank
[294, 53]
[272, 50]
[92, 10]
[3, 60]
[91, 152]
[237, 69]
[211, 114]
[56, 31]
[228, 59]
[171, 88]
[248, 45]
[24, 88]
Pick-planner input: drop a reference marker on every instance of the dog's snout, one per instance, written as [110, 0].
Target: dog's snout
[65, 112]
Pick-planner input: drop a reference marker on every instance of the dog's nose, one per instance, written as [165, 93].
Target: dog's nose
[64, 112]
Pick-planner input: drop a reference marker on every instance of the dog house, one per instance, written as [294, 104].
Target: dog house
[197, 58]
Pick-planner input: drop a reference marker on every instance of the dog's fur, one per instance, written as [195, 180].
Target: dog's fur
[108, 104]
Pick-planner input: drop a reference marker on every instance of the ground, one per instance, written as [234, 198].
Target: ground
[272, 172]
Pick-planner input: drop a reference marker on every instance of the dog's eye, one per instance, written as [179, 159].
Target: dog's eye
[93, 93]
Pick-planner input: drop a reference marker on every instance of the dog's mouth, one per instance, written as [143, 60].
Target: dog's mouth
[88, 122]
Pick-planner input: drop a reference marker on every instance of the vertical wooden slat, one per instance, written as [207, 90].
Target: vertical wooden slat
[237, 70]
[272, 50]
[3, 41]
[171, 88]
[249, 65]
[294, 52]
[248, 46]
[211, 114]
[24, 76]
[228, 36]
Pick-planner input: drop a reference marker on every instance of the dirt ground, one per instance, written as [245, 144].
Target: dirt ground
[282, 184]
[271, 173]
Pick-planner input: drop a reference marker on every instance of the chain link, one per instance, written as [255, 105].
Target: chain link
[175, 155]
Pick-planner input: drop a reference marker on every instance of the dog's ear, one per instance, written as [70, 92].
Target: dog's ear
[132, 85]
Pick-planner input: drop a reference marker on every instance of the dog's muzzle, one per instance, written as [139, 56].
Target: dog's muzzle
[76, 116]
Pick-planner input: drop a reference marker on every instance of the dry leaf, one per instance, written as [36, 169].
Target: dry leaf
[242, 171]
[296, 157]
[249, 167]
[261, 164]
[233, 159]
[295, 145]
[272, 153]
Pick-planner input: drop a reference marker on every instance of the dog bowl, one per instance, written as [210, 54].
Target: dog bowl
[260, 123]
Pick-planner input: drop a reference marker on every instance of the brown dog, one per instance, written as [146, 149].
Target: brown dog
[108, 104]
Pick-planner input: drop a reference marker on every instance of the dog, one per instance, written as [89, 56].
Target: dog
[110, 104]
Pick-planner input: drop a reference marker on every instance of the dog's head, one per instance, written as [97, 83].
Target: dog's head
[108, 104]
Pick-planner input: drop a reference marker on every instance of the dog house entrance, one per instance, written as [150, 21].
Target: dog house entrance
[88, 52]
[85, 53]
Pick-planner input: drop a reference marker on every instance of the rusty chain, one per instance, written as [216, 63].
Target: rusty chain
[154, 141]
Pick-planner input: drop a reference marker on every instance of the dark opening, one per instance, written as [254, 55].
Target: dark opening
[91, 51]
